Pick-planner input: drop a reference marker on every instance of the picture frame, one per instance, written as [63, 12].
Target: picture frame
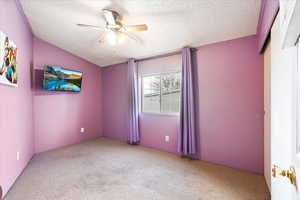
[8, 61]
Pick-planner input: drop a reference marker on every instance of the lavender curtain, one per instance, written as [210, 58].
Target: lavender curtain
[134, 136]
[187, 135]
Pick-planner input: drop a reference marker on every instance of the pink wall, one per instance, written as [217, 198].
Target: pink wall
[115, 113]
[231, 106]
[16, 124]
[154, 129]
[115, 101]
[58, 116]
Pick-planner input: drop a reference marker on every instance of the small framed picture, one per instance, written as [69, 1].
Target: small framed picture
[8, 61]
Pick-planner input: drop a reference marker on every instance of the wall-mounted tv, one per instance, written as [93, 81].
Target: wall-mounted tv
[60, 79]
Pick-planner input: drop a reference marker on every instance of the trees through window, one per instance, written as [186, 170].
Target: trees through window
[161, 93]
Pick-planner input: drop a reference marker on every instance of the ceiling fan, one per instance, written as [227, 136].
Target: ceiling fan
[114, 29]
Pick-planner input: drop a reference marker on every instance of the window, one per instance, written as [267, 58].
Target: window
[161, 93]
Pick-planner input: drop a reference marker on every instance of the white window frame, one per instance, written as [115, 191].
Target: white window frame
[142, 94]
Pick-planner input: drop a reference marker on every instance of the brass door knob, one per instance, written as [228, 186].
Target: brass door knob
[290, 174]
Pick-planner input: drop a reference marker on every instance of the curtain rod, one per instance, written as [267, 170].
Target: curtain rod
[163, 55]
[158, 56]
[153, 57]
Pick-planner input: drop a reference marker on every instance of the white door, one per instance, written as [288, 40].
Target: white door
[284, 124]
[267, 116]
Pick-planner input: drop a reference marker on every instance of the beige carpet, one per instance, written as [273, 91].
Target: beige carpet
[106, 169]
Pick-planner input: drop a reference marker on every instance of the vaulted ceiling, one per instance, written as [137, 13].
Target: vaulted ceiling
[172, 24]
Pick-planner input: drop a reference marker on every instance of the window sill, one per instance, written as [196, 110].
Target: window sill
[160, 114]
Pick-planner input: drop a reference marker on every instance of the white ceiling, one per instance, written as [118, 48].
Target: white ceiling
[172, 24]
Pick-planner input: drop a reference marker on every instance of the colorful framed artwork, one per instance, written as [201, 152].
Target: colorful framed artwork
[8, 61]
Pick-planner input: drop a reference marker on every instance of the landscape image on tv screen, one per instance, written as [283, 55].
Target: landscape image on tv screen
[56, 78]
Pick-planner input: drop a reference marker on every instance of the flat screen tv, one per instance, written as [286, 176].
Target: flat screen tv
[60, 79]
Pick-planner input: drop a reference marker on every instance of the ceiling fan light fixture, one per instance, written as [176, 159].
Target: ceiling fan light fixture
[111, 37]
[121, 39]
[115, 31]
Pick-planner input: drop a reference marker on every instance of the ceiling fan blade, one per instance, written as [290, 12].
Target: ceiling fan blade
[91, 26]
[141, 27]
[110, 16]
[133, 37]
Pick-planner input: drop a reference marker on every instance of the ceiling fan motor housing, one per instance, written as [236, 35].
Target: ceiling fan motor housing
[114, 27]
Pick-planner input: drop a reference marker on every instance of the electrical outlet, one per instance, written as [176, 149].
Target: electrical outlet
[82, 130]
[18, 155]
[167, 138]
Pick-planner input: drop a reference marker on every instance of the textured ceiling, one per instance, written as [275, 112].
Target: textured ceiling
[172, 24]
